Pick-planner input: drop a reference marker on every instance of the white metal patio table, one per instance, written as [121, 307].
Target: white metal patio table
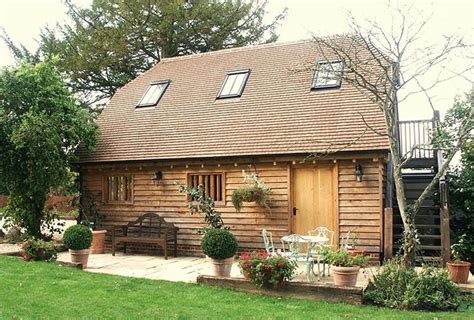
[296, 254]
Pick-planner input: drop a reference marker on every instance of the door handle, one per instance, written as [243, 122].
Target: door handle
[294, 210]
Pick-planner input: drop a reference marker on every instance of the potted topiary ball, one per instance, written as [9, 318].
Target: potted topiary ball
[78, 239]
[220, 245]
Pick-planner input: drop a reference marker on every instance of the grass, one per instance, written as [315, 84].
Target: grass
[45, 290]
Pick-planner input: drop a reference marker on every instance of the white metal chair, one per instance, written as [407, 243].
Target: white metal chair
[322, 232]
[268, 242]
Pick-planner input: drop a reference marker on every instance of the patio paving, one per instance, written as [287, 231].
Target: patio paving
[184, 269]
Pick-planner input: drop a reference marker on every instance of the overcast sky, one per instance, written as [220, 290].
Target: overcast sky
[22, 19]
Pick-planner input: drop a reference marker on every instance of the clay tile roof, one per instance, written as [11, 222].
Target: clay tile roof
[278, 113]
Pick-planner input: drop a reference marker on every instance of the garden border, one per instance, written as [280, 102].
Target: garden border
[294, 290]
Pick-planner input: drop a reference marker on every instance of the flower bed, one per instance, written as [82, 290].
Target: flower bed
[263, 269]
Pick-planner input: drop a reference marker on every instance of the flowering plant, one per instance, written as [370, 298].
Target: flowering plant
[262, 268]
[38, 250]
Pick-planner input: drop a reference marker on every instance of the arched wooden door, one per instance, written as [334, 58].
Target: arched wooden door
[314, 199]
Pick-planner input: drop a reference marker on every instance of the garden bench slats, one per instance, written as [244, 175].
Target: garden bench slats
[149, 228]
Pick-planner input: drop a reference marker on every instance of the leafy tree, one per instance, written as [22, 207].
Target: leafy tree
[113, 41]
[41, 125]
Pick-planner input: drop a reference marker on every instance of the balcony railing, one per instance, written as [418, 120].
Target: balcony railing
[415, 138]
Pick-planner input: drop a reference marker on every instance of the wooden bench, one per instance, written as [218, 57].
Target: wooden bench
[150, 228]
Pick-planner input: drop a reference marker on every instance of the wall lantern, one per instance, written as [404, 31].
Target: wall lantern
[358, 172]
[158, 176]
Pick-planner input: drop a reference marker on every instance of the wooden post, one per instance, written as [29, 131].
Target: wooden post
[388, 233]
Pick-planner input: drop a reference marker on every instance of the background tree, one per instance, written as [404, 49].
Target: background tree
[41, 125]
[110, 43]
[388, 65]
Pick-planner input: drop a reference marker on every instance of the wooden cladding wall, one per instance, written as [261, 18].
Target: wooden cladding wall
[165, 199]
[361, 203]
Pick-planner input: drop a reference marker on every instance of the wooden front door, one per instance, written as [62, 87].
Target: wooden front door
[314, 199]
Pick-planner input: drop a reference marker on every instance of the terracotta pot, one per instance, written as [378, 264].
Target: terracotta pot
[80, 256]
[222, 267]
[459, 271]
[98, 241]
[345, 276]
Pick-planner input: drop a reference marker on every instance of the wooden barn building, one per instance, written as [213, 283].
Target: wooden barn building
[268, 109]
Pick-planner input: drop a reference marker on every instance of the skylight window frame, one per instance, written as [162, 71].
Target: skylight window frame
[153, 83]
[314, 86]
[242, 87]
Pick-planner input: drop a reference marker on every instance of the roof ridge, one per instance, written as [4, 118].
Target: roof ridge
[235, 49]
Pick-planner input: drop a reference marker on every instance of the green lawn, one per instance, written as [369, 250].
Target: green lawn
[44, 290]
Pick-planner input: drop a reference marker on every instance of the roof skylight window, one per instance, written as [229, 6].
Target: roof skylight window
[234, 84]
[154, 93]
[328, 74]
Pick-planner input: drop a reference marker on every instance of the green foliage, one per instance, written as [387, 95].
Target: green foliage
[77, 237]
[463, 249]
[342, 258]
[219, 244]
[41, 126]
[255, 190]
[461, 200]
[89, 212]
[432, 289]
[399, 287]
[39, 250]
[111, 42]
[263, 269]
[199, 202]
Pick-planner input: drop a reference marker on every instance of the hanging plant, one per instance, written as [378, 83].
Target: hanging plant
[254, 191]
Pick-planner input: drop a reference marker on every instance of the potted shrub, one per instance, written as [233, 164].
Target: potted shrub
[265, 270]
[220, 245]
[93, 218]
[459, 268]
[254, 191]
[344, 266]
[78, 239]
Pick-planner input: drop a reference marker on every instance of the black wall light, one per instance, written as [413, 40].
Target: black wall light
[158, 176]
[358, 172]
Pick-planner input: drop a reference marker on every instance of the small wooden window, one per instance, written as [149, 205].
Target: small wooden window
[118, 189]
[213, 184]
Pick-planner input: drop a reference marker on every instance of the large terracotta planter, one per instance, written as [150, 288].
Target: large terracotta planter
[80, 256]
[222, 267]
[459, 271]
[345, 276]
[98, 241]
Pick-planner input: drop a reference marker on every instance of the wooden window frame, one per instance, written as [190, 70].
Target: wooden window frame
[105, 189]
[242, 87]
[220, 203]
[154, 83]
[314, 86]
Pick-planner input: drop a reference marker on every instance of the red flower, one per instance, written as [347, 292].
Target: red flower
[245, 255]
[281, 264]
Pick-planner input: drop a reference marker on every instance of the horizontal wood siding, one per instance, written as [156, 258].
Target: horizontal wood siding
[165, 199]
[360, 207]
[359, 203]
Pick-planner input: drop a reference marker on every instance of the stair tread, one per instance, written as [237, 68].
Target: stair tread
[423, 247]
[422, 236]
[420, 225]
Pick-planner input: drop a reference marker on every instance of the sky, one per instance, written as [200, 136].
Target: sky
[23, 19]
